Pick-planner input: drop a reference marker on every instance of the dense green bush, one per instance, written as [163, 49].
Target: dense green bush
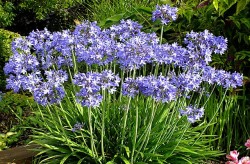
[23, 16]
[6, 37]
[6, 14]
[44, 8]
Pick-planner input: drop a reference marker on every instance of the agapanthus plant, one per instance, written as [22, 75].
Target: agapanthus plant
[90, 74]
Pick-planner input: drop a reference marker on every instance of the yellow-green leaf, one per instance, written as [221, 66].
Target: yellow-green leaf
[10, 134]
[216, 4]
[241, 4]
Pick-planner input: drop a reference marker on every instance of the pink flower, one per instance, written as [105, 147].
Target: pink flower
[231, 162]
[233, 156]
[247, 144]
[244, 160]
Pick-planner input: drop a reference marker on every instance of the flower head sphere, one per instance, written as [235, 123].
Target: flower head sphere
[165, 13]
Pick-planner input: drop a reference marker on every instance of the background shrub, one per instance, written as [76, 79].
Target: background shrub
[6, 37]
[23, 16]
[15, 116]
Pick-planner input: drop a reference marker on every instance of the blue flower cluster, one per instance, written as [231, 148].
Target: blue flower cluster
[165, 13]
[171, 54]
[193, 113]
[48, 89]
[77, 126]
[91, 84]
[202, 45]
[187, 81]
[93, 45]
[130, 87]
[36, 56]
[125, 30]
[137, 51]
[221, 77]
[159, 88]
[174, 85]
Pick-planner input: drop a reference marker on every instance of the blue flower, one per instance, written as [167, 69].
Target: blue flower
[109, 81]
[137, 51]
[188, 81]
[77, 126]
[21, 63]
[159, 88]
[130, 87]
[202, 45]
[165, 13]
[221, 77]
[193, 113]
[125, 30]
[171, 54]
[56, 78]
[91, 83]
[46, 93]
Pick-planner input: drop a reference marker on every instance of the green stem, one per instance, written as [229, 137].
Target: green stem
[157, 65]
[165, 131]
[125, 121]
[145, 136]
[103, 127]
[122, 79]
[215, 114]
[135, 134]
[161, 34]
[91, 132]
[144, 70]
[74, 61]
[186, 128]
[156, 69]
[126, 114]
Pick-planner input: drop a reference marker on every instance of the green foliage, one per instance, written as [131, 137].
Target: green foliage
[153, 133]
[223, 5]
[23, 16]
[6, 14]
[15, 114]
[4, 139]
[16, 102]
[43, 8]
[119, 9]
[224, 116]
[6, 37]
